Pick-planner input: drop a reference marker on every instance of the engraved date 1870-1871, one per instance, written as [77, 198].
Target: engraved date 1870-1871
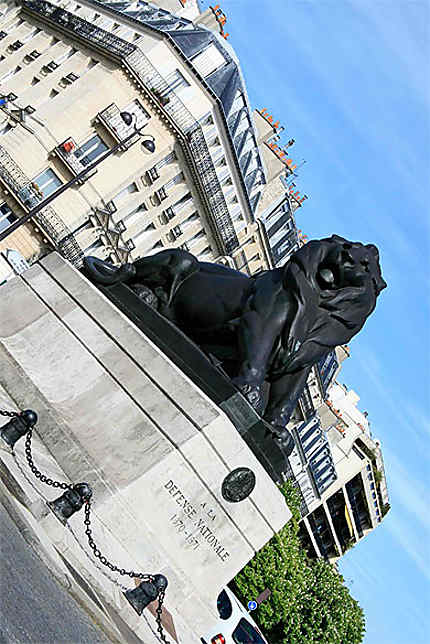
[182, 529]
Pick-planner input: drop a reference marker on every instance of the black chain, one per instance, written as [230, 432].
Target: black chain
[122, 571]
[9, 414]
[97, 553]
[88, 531]
[37, 474]
[159, 611]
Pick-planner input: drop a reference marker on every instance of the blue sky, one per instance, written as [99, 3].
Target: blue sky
[349, 81]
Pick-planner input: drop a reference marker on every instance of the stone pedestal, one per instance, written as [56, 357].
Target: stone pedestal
[115, 412]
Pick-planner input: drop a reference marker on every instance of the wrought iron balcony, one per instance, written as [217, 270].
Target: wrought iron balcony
[28, 196]
[306, 404]
[77, 26]
[67, 152]
[135, 61]
[192, 131]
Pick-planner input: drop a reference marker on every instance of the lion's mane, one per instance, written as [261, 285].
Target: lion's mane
[327, 318]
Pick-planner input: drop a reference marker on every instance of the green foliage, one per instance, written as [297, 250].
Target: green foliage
[309, 603]
[385, 508]
[377, 475]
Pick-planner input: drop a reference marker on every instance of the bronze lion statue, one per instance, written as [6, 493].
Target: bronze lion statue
[270, 328]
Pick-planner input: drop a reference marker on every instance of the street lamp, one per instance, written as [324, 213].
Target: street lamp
[128, 119]
[149, 145]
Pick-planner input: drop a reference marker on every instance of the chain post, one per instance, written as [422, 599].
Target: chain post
[17, 427]
[151, 586]
[74, 497]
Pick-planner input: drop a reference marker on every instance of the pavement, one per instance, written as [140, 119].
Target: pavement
[34, 607]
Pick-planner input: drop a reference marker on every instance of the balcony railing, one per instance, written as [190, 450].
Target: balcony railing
[306, 404]
[147, 74]
[28, 196]
[135, 60]
[79, 27]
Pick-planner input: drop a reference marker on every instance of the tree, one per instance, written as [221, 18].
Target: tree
[309, 604]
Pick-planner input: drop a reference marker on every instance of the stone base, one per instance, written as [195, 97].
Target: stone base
[115, 412]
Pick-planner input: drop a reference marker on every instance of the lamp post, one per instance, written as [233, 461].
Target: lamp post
[149, 145]
[128, 119]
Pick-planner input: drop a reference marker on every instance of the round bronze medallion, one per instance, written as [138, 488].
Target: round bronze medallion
[238, 484]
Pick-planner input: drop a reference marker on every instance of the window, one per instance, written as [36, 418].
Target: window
[47, 182]
[224, 606]
[31, 34]
[69, 79]
[178, 179]
[28, 58]
[128, 190]
[93, 246]
[90, 150]
[167, 159]
[152, 174]
[182, 202]
[12, 72]
[161, 193]
[5, 128]
[6, 217]
[15, 45]
[176, 82]
[208, 60]
[206, 120]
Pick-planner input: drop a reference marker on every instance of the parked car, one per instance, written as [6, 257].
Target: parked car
[235, 625]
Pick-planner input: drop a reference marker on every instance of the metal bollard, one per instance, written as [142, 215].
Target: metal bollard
[141, 596]
[17, 427]
[71, 501]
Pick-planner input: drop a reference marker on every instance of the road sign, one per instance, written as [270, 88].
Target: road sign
[252, 605]
[263, 596]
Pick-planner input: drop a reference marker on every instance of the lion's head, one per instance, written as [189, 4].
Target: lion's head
[336, 283]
